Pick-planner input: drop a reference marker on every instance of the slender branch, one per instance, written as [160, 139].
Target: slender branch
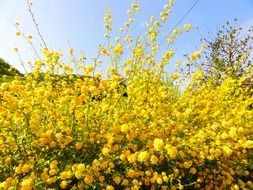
[21, 61]
[28, 40]
[29, 4]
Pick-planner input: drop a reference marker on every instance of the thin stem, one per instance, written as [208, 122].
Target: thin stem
[35, 23]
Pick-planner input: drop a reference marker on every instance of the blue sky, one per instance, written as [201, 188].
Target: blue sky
[81, 22]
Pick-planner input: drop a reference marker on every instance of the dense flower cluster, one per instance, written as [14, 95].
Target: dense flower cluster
[79, 131]
[53, 133]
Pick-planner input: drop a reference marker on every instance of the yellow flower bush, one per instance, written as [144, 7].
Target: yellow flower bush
[144, 130]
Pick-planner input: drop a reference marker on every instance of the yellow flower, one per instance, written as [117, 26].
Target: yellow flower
[171, 2]
[170, 41]
[94, 90]
[88, 179]
[109, 187]
[51, 180]
[193, 170]
[101, 179]
[171, 151]
[118, 50]
[27, 184]
[81, 167]
[158, 144]
[143, 156]
[106, 36]
[64, 175]
[44, 176]
[105, 151]
[125, 182]
[129, 12]
[64, 184]
[78, 174]
[132, 158]
[52, 144]
[78, 145]
[68, 139]
[89, 68]
[104, 52]
[18, 33]
[165, 178]
[159, 180]
[69, 174]
[134, 5]
[52, 172]
[70, 50]
[53, 164]
[187, 164]
[117, 179]
[187, 27]
[111, 165]
[176, 32]
[68, 130]
[84, 89]
[195, 56]
[169, 54]
[30, 37]
[25, 168]
[227, 151]
[124, 128]
[131, 173]
[154, 159]
[10, 181]
[248, 144]
[18, 169]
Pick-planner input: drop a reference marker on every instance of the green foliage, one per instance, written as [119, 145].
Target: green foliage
[229, 53]
[7, 72]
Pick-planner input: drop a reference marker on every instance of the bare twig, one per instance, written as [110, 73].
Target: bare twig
[22, 62]
[29, 4]
[28, 40]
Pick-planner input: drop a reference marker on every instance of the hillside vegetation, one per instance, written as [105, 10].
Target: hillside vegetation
[7, 72]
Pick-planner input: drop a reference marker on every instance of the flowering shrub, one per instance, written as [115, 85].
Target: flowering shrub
[55, 135]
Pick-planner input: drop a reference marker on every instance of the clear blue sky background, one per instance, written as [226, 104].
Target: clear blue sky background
[81, 21]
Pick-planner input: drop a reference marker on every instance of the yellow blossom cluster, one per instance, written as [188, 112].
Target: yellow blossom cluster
[153, 137]
[66, 130]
